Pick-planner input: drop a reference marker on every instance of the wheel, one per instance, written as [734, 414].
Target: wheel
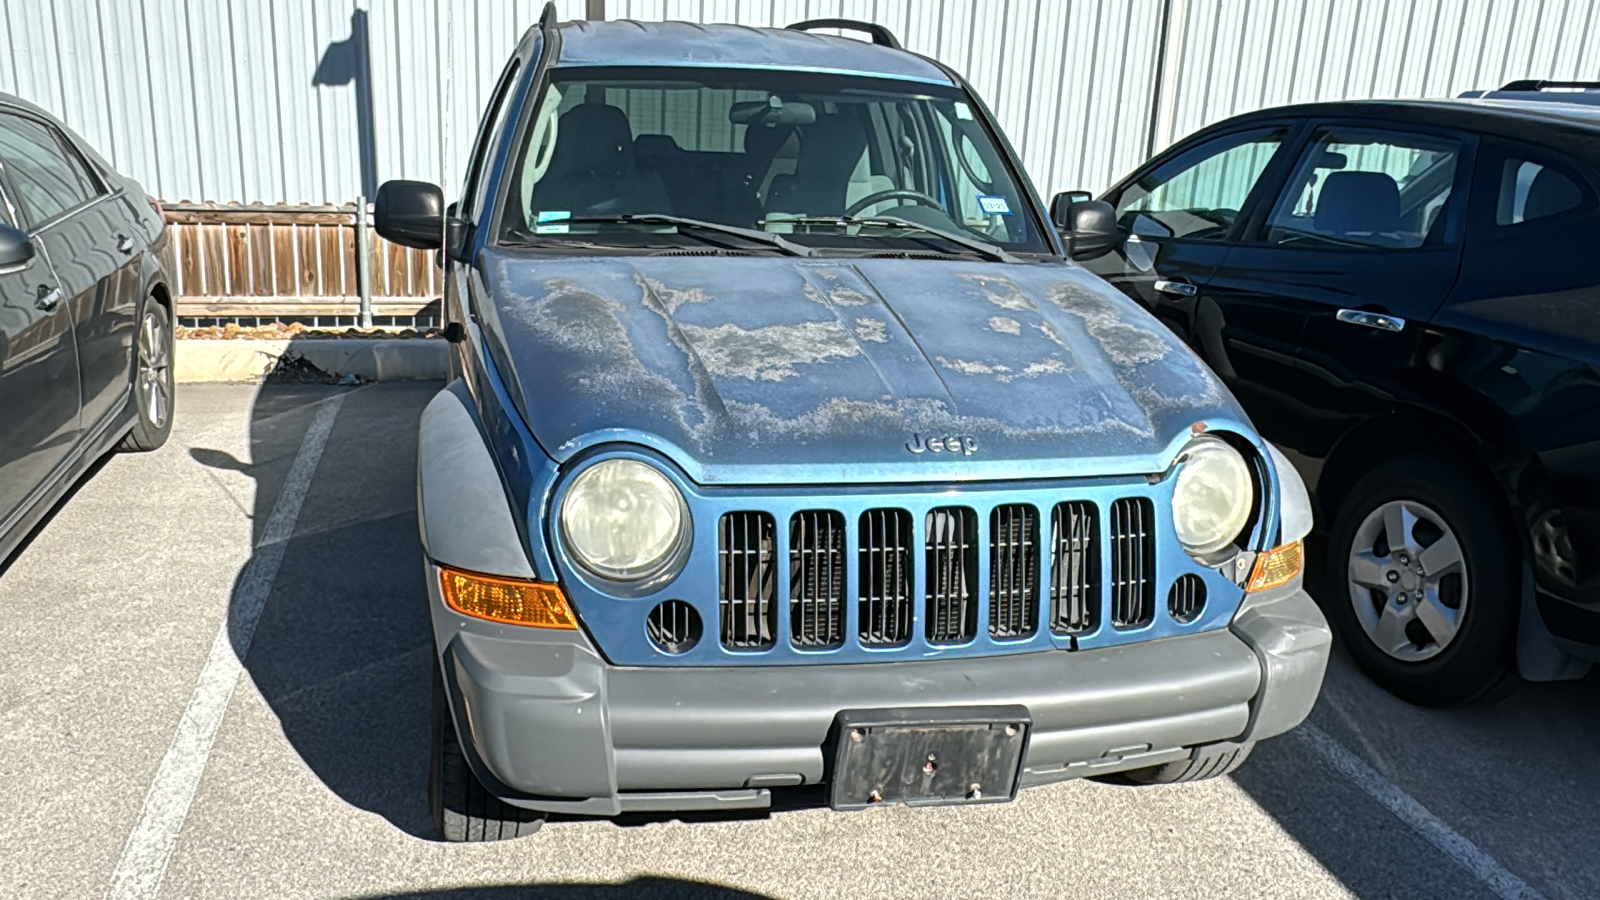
[463, 810]
[1424, 582]
[152, 379]
[1208, 761]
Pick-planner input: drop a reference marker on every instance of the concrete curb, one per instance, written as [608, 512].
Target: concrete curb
[378, 359]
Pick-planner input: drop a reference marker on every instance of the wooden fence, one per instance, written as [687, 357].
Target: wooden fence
[291, 261]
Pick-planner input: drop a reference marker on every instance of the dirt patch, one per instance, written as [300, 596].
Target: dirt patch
[277, 331]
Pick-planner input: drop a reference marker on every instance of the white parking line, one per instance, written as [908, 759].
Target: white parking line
[144, 859]
[1432, 829]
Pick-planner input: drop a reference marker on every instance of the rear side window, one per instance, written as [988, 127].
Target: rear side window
[1198, 195]
[48, 177]
[1360, 188]
[1530, 191]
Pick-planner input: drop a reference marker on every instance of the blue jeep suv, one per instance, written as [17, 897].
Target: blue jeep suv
[787, 457]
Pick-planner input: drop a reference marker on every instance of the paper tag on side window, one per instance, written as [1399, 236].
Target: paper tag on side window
[963, 111]
[993, 205]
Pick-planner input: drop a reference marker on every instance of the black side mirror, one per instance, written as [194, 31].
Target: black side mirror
[412, 214]
[16, 250]
[1088, 226]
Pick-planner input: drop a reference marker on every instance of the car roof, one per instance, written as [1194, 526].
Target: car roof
[629, 43]
[1542, 121]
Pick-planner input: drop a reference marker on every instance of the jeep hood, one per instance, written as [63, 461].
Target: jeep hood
[769, 370]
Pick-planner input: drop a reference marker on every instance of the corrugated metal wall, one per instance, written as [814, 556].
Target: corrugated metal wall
[315, 101]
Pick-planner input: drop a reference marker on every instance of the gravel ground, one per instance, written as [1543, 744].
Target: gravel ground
[136, 592]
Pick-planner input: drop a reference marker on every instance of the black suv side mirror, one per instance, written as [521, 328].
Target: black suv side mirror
[15, 248]
[412, 214]
[1088, 226]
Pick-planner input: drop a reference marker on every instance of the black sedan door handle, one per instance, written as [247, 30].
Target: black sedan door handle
[1178, 288]
[124, 243]
[49, 298]
[1366, 319]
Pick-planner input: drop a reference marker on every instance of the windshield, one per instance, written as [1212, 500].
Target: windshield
[833, 163]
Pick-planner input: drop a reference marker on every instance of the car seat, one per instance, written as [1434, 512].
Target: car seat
[593, 170]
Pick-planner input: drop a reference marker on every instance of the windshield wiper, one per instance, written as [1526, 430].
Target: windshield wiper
[982, 248]
[749, 234]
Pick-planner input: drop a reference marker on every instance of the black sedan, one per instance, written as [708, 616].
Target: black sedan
[85, 316]
[1407, 296]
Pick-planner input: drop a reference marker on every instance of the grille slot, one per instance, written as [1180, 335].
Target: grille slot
[1013, 571]
[673, 626]
[951, 549]
[1187, 599]
[884, 576]
[747, 559]
[1133, 550]
[816, 579]
[1074, 568]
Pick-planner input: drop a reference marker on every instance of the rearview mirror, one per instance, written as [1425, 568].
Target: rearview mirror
[412, 214]
[16, 250]
[1089, 227]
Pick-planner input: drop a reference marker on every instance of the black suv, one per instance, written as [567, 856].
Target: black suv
[1405, 294]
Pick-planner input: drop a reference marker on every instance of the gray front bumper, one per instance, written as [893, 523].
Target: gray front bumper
[550, 725]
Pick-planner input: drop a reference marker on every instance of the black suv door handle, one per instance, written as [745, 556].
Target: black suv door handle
[1379, 321]
[49, 298]
[124, 243]
[1178, 288]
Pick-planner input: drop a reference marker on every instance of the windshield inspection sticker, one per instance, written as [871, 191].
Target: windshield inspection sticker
[963, 111]
[544, 217]
[993, 205]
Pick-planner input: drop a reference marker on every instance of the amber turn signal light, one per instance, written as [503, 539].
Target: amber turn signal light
[1277, 566]
[513, 601]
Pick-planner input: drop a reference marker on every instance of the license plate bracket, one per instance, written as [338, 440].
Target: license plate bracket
[929, 757]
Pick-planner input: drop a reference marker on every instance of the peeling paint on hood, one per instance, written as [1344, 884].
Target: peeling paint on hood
[764, 369]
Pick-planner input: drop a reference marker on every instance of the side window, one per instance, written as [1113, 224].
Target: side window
[1530, 191]
[49, 179]
[493, 117]
[1363, 188]
[1198, 195]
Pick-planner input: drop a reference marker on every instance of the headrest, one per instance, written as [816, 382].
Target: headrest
[1358, 203]
[594, 137]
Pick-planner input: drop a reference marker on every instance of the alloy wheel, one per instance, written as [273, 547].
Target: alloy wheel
[153, 383]
[1407, 580]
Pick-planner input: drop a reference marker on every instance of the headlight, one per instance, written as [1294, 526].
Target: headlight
[1213, 498]
[624, 521]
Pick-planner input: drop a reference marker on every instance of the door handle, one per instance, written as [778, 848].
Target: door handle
[1379, 321]
[124, 243]
[1179, 288]
[49, 298]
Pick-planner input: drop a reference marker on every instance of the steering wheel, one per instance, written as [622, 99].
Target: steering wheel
[896, 194]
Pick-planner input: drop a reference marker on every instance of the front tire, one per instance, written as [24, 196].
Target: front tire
[153, 381]
[1424, 582]
[463, 809]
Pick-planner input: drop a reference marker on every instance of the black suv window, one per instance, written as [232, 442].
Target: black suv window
[1366, 188]
[1531, 190]
[1198, 195]
[49, 178]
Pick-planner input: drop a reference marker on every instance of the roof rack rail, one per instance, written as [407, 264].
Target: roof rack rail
[881, 36]
[549, 17]
[1535, 84]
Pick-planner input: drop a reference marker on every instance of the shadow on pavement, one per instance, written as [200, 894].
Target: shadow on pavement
[340, 648]
[1515, 778]
[648, 888]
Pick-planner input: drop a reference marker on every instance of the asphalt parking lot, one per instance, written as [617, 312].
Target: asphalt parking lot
[214, 683]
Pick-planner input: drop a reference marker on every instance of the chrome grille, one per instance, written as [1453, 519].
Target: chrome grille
[816, 579]
[1074, 568]
[747, 582]
[952, 573]
[1186, 599]
[884, 574]
[1133, 550]
[1013, 571]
